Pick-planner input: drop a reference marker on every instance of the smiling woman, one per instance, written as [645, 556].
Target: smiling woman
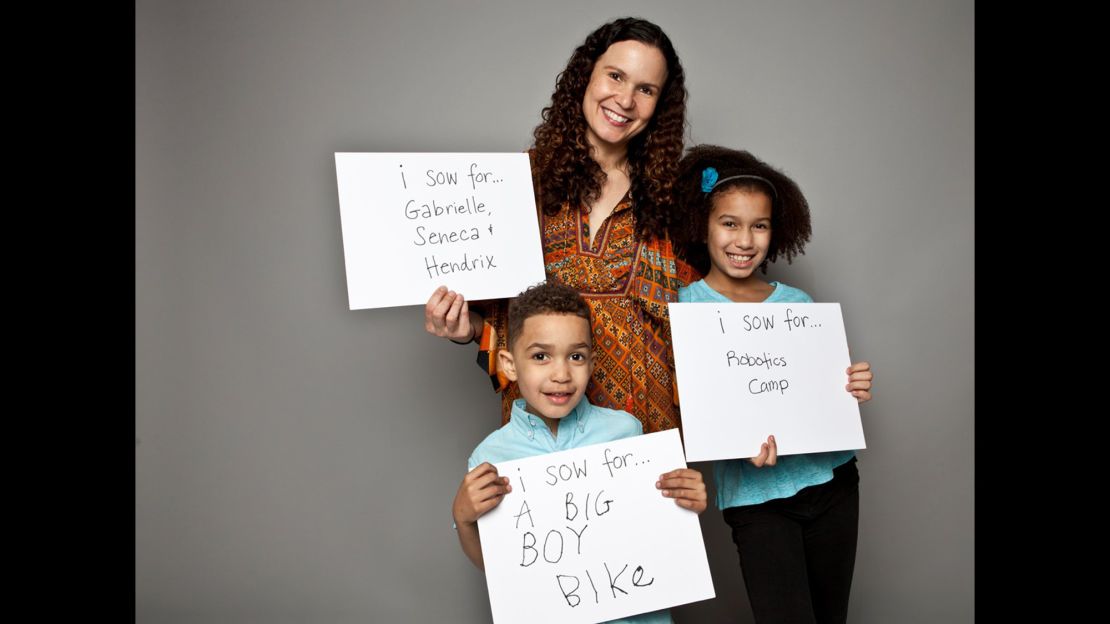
[620, 99]
[604, 163]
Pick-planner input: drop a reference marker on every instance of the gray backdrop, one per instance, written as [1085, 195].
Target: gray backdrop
[296, 461]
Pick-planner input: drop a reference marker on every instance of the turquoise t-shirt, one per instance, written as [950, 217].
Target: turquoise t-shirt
[526, 435]
[739, 482]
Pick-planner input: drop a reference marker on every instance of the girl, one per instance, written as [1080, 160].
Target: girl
[604, 163]
[793, 518]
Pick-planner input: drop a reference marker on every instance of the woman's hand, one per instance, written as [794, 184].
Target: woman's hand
[448, 315]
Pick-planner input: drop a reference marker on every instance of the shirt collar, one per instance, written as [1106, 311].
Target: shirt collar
[529, 424]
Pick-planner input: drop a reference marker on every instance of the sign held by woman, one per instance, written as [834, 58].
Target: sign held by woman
[414, 221]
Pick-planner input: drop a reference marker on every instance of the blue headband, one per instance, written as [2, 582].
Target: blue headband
[710, 181]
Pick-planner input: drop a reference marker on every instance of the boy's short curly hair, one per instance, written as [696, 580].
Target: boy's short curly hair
[551, 297]
[790, 222]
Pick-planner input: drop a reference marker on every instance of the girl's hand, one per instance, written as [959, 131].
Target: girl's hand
[859, 381]
[768, 454]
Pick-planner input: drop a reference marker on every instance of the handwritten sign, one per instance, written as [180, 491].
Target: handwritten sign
[586, 537]
[749, 370]
[412, 222]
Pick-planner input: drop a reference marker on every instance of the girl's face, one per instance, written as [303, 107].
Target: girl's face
[622, 94]
[739, 235]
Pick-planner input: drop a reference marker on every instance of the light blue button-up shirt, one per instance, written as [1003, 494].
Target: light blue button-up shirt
[526, 435]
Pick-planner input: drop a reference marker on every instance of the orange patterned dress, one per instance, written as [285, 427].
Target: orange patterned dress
[627, 283]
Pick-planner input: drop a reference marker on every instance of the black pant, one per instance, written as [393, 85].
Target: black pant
[797, 554]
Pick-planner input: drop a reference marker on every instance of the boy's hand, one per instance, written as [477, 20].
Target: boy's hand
[859, 381]
[768, 454]
[685, 486]
[481, 490]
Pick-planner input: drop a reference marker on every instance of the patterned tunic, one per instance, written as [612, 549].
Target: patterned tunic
[627, 283]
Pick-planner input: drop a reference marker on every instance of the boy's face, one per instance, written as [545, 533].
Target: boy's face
[551, 361]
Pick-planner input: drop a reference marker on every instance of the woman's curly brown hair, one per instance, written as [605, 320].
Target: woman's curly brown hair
[790, 223]
[561, 158]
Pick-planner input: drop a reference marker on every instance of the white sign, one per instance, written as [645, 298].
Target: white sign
[412, 222]
[585, 536]
[749, 370]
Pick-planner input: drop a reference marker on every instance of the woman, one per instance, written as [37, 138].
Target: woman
[604, 164]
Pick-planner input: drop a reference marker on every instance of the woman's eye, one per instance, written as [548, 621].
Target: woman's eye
[614, 75]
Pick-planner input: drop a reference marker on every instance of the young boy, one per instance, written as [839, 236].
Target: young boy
[551, 358]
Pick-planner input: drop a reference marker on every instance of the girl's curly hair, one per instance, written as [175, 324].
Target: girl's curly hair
[561, 158]
[790, 223]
